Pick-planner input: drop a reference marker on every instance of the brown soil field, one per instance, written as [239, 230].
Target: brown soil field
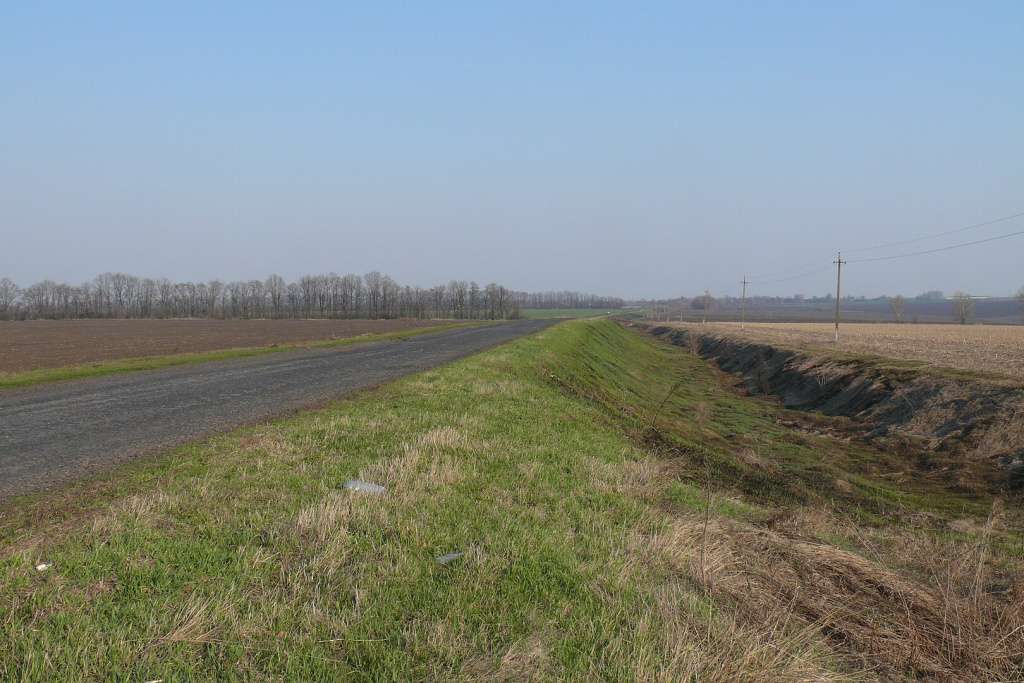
[981, 348]
[58, 343]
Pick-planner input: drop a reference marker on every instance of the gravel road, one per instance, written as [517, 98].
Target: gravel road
[55, 433]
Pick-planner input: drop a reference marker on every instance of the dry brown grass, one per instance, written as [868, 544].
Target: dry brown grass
[784, 591]
[979, 348]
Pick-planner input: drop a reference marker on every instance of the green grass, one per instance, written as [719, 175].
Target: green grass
[17, 380]
[533, 313]
[622, 514]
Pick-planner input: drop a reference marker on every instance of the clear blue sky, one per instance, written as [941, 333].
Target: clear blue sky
[633, 149]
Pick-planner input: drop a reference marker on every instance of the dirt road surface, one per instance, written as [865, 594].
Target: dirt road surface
[27, 344]
[56, 433]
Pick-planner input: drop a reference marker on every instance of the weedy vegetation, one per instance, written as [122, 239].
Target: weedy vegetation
[622, 511]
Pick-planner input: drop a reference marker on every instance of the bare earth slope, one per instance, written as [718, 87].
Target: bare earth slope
[967, 424]
[59, 432]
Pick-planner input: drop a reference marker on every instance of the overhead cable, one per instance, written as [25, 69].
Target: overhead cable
[757, 281]
[827, 266]
[932, 251]
[928, 237]
[791, 270]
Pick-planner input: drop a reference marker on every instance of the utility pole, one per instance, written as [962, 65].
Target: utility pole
[839, 274]
[705, 307]
[743, 307]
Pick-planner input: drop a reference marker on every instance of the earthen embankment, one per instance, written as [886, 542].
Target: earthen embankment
[968, 414]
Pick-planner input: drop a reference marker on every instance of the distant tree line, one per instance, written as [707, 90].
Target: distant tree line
[374, 295]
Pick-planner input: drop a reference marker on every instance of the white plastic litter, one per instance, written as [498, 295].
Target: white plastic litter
[445, 559]
[364, 487]
[43, 567]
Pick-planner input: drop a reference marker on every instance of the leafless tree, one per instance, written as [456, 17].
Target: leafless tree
[214, 292]
[82, 301]
[9, 296]
[375, 296]
[388, 293]
[257, 298]
[308, 287]
[437, 300]
[963, 307]
[294, 300]
[165, 297]
[147, 297]
[321, 295]
[503, 301]
[351, 295]
[277, 290]
[1020, 298]
[333, 283]
[564, 299]
[373, 285]
[420, 304]
[474, 299]
[898, 305]
[457, 290]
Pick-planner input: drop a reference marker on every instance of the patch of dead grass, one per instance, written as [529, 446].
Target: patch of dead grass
[948, 627]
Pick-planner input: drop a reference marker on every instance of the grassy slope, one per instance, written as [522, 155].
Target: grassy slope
[115, 367]
[532, 313]
[594, 545]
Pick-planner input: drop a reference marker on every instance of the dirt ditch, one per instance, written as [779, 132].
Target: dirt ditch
[940, 417]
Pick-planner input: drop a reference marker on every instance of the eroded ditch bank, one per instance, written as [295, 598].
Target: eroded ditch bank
[940, 411]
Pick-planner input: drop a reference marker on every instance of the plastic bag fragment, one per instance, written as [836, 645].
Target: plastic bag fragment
[364, 487]
[445, 559]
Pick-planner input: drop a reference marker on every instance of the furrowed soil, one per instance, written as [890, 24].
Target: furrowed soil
[608, 506]
[28, 344]
[997, 349]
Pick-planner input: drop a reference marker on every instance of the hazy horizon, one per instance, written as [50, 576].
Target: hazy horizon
[638, 152]
[830, 295]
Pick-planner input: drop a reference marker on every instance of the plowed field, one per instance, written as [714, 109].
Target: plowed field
[982, 348]
[57, 343]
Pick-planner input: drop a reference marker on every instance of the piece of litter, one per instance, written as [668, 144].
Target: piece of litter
[445, 559]
[364, 486]
[43, 567]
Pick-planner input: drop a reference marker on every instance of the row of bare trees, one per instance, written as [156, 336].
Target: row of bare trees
[374, 295]
[566, 299]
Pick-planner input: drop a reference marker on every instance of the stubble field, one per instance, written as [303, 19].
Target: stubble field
[25, 345]
[980, 348]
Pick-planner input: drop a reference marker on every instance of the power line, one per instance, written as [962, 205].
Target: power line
[826, 266]
[828, 263]
[793, 270]
[932, 251]
[940, 234]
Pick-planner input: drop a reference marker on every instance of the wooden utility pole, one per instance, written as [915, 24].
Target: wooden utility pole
[705, 307]
[743, 306]
[839, 274]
